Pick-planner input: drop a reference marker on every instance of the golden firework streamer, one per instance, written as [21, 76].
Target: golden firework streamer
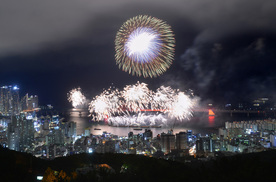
[144, 46]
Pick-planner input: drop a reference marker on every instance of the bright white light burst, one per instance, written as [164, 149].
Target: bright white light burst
[137, 105]
[181, 107]
[143, 44]
[76, 97]
[140, 119]
[136, 97]
[106, 104]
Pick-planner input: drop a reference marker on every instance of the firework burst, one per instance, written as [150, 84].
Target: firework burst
[144, 46]
[162, 98]
[76, 97]
[138, 105]
[106, 104]
[136, 96]
[181, 107]
[139, 119]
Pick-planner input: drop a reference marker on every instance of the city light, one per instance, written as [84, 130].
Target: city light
[15, 88]
[40, 178]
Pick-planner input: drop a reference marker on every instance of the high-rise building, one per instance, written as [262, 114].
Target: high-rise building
[181, 140]
[27, 132]
[15, 100]
[32, 102]
[13, 137]
[204, 144]
[167, 142]
[130, 135]
[147, 134]
[51, 151]
[14, 134]
[190, 136]
[24, 102]
[273, 140]
[20, 132]
[109, 146]
[9, 100]
[71, 130]
[55, 137]
[4, 100]
[87, 132]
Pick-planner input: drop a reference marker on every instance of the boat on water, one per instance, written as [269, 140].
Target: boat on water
[137, 129]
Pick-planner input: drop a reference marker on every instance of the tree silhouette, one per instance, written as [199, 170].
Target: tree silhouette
[62, 177]
[49, 176]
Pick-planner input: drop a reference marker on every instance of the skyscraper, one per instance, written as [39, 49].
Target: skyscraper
[27, 132]
[55, 137]
[204, 144]
[190, 136]
[24, 102]
[9, 100]
[32, 102]
[15, 100]
[181, 140]
[167, 142]
[147, 134]
[71, 129]
[20, 132]
[4, 100]
[13, 137]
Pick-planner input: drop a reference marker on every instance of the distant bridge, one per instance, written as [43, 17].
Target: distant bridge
[248, 112]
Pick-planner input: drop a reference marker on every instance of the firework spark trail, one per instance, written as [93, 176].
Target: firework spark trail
[163, 98]
[181, 107]
[144, 46]
[126, 107]
[106, 104]
[136, 96]
[76, 97]
[100, 106]
[141, 119]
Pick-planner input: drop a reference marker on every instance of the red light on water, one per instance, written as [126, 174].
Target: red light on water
[211, 120]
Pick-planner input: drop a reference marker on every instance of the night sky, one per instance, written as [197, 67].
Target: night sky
[225, 50]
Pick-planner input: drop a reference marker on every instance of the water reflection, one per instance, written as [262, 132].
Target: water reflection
[211, 120]
[199, 124]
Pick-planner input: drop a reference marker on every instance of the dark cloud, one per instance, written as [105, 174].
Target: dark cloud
[31, 25]
[224, 50]
[235, 71]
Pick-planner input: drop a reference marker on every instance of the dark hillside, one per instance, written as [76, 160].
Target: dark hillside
[16, 166]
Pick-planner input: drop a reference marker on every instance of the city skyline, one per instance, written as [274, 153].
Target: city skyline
[224, 51]
[12, 103]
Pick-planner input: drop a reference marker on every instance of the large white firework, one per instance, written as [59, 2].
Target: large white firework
[138, 105]
[140, 119]
[76, 97]
[136, 97]
[106, 104]
[181, 107]
[163, 98]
